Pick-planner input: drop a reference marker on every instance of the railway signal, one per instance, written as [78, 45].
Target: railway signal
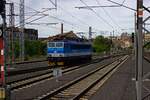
[132, 37]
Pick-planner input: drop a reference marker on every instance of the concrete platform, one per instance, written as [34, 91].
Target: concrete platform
[121, 85]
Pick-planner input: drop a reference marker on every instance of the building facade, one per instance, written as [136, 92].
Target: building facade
[29, 34]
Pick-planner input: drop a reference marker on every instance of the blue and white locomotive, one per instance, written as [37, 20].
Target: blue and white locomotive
[62, 52]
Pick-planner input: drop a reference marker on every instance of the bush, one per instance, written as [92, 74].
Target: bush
[32, 48]
[101, 44]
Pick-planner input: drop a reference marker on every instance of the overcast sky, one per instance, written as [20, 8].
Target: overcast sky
[101, 19]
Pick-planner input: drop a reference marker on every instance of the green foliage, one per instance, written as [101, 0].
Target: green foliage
[32, 48]
[16, 49]
[147, 46]
[101, 44]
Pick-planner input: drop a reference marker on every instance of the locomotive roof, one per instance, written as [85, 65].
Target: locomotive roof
[70, 41]
[69, 36]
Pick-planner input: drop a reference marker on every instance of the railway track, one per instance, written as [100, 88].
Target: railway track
[38, 78]
[33, 61]
[85, 85]
[23, 68]
[147, 59]
[32, 79]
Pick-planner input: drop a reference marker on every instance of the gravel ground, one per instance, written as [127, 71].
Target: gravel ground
[51, 84]
[18, 67]
[22, 75]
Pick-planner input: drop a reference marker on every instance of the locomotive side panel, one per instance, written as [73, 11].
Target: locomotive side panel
[61, 53]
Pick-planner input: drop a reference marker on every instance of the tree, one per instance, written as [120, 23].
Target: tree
[16, 49]
[101, 44]
[33, 48]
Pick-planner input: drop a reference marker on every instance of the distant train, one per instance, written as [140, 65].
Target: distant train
[62, 52]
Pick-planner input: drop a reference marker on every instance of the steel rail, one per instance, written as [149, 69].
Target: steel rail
[147, 59]
[40, 77]
[81, 94]
[62, 88]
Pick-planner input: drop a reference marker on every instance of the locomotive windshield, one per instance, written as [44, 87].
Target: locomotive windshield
[59, 44]
[56, 44]
[51, 44]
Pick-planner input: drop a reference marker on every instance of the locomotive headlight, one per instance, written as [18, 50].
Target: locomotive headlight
[60, 55]
[49, 55]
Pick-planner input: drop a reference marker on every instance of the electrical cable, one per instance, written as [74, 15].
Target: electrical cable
[100, 18]
[82, 22]
[67, 22]
[123, 2]
[122, 5]
[109, 15]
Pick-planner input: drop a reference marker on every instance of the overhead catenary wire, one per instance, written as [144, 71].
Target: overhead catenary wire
[67, 22]
[35, 19]
[37, 12]
[123, 2]
[100, 18]
[67, 12]
[79, 20]
[109, 15]
[17, 25]
[42, 12]
[122, 5]
[55, 4]
[62, 20]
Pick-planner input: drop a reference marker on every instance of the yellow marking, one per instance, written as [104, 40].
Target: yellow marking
[2, 94]
[60, 63]
[51, 63]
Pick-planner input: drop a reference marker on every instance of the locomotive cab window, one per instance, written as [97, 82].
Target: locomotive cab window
[51, 44]
[59, 44]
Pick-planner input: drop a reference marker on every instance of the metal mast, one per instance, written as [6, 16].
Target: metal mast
[12, 19]
[22, 22]
[62, 28]
[140, 48]
[90, 33]
[12, 25]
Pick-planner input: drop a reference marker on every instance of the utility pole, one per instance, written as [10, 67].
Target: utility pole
[22, 22]
[112, 40]
[62, 28]
[135, 46]
[12, 26]
[111, 43]
[90, 33]
[139, 48]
